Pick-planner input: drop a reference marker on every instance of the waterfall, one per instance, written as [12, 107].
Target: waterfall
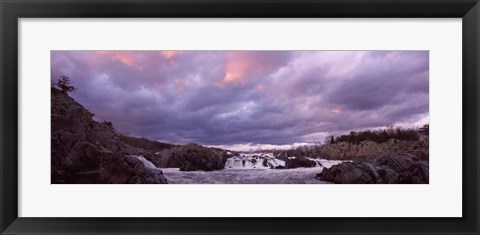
[253, 161]
[267, 161]
[146, 163]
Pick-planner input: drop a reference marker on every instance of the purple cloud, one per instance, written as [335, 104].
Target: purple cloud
[240, 97]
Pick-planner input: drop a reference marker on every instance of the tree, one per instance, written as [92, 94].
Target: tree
[424, 129]
[109, 124]
[329, 139]
[63, 83]
[384, 136]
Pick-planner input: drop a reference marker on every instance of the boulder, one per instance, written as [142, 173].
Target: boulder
[299, 162]
[395, 169]
[265, 162]
[201, 158]
[191, 157]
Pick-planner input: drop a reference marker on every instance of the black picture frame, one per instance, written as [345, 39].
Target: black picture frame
[12, 10]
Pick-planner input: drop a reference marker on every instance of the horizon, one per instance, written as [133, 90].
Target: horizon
[249, 99]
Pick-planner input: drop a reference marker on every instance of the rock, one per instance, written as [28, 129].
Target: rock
[201, 158]
[88, 152]
[191, 157]
[299, 162]
[348, 173]
[143, 174]
[396, 169]
[177, 156]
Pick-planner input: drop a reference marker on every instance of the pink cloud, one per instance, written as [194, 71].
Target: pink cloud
[242, 64]
[170, 95]
[336, 110]
[169, 54]
[260, 87]
[125, 57]
[238, 64]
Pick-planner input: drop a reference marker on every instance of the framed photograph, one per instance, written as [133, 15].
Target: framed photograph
[235, 117]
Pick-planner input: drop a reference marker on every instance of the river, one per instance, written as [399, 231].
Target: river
[248, 169]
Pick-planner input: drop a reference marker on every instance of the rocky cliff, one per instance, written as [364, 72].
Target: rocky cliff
[345, 150]
[86, 151]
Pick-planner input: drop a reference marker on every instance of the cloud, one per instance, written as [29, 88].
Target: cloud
[248, 98]
[242, 66]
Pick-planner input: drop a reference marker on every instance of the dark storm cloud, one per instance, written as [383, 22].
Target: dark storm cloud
[240, 97]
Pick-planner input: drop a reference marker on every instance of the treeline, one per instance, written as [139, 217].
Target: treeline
[311, 151]
[380, 136]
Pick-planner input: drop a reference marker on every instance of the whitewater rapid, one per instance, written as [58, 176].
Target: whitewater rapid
[253, 161]
[244, 176]
[247, 169]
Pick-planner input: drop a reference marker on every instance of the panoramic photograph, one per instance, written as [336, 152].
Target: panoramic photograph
[239, 117]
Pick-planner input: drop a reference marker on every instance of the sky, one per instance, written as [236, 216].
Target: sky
[243, 100]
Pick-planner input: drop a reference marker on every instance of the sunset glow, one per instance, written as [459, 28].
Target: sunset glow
[248, 98]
